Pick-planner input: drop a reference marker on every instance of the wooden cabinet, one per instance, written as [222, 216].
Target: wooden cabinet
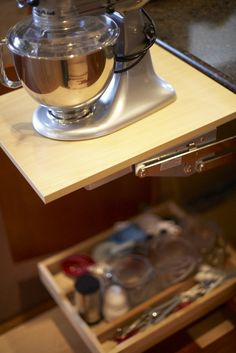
[58, 171]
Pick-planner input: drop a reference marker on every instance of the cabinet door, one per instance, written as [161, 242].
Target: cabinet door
[35, 229]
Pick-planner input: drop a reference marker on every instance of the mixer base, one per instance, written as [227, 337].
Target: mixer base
[129, 97]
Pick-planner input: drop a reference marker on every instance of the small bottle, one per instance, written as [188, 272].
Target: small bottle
[88, 298]
[115, 302]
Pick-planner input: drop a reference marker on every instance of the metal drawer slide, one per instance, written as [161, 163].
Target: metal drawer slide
[201, 154]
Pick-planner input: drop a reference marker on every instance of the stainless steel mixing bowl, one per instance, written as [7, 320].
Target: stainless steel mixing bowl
[66, 83]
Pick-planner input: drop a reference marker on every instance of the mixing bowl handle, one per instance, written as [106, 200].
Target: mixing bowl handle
[3, 76]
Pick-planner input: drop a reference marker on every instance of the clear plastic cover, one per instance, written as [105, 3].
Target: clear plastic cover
[86, 35]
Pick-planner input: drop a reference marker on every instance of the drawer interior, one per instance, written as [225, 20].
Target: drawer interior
[99, 338]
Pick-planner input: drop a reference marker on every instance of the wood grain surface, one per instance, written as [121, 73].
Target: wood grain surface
[34, 229]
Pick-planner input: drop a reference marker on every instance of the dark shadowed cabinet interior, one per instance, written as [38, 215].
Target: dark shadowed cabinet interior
[198, 35]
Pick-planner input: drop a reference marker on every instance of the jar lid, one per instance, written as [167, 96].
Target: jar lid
[87, 284]
[82, 36]
[77, 265]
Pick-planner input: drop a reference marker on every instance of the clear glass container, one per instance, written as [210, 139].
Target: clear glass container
[207, 239]
[173, 258]
[136, 275]
[37, 37]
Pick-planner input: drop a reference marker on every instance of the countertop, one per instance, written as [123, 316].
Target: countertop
[200, 32]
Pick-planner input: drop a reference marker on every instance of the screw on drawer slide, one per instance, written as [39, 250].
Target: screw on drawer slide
[201, 154]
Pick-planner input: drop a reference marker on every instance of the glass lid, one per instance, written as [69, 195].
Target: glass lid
[62, 40]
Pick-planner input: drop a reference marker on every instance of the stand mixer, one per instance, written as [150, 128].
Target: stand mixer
[87, 63]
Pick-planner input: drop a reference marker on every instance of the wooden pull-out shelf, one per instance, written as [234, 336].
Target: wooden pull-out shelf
[56, 168]
[98, 337]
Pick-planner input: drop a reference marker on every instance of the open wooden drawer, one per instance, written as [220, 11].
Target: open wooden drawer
[98, 337]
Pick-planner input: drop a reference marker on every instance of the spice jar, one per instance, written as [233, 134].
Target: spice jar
[88, 298]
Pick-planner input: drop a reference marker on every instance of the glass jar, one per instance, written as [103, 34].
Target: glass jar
[136, 275]
[174, 259]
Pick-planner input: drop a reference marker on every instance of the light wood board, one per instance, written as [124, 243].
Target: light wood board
[56, 168]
